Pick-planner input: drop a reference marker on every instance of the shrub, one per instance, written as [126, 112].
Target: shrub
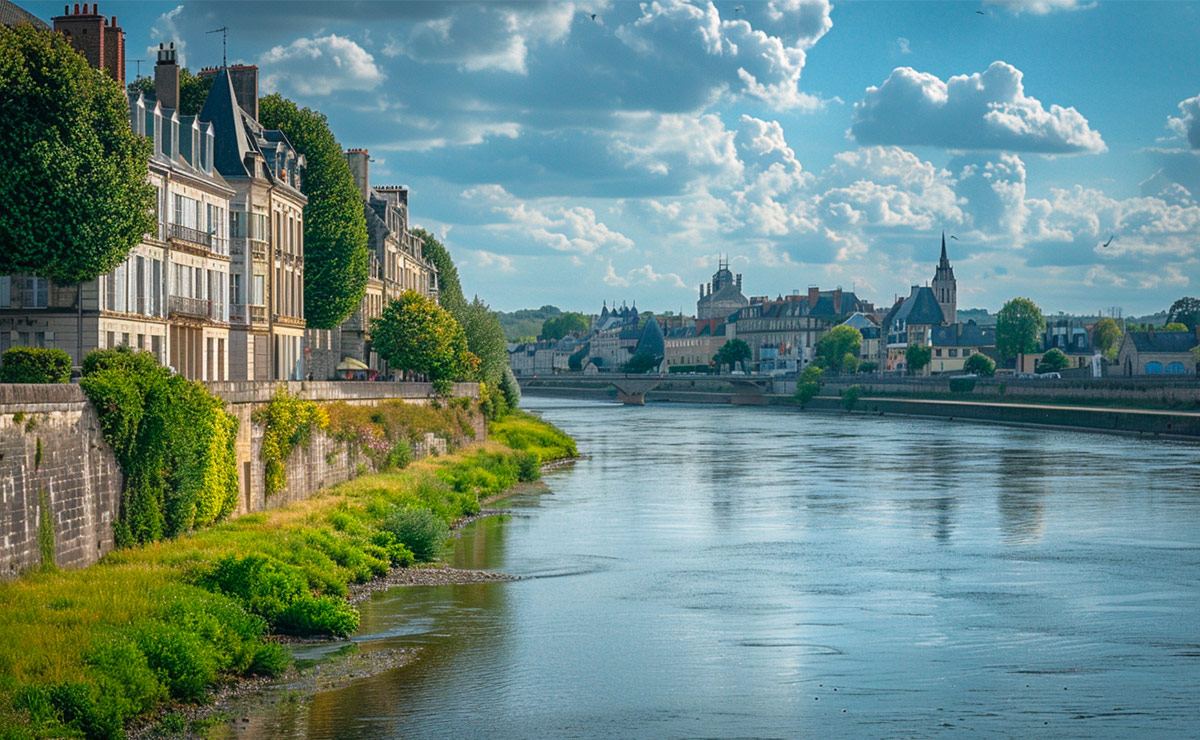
[288, 421]
[124, 677]
[808, 385]
[400, 456]
[868, 367]
[316, 615]
[528, 467]
[850, 397]
[77, 705]
[34, 365]
[182, 660]
[962, 385]
[980, 364]
[264, 585]
[420, 530]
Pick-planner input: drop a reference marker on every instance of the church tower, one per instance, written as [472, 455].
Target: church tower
[945, 288]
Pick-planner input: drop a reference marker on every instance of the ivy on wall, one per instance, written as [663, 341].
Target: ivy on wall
[174, 441]
[288, 422]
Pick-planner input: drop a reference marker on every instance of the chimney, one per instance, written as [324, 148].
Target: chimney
[813, 294]
[837, 300]
[166, 77]
[244, 78]
[102, 43]
[360, 166]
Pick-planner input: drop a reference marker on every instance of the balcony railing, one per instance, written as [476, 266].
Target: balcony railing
[237, 314]
[195, 236]
[258, 313]
[199, 307]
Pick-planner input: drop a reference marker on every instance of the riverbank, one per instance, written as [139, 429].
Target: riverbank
[86, 652]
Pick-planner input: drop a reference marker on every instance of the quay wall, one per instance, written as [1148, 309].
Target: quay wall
[60, 483]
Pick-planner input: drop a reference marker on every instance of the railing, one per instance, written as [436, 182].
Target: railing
[258, 313]
[258, 249]
[237, 314]
[195, 236]
[200, 307]
[237, 246]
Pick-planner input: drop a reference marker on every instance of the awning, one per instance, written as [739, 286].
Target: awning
[349, 363]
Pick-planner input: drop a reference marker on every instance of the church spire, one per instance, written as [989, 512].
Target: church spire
[943, 260]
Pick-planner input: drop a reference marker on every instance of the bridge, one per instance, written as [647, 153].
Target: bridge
[746, 390]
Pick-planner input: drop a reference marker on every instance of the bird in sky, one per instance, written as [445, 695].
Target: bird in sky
[980, 12]
[1110, 240]
[955, 238]
[738, 8]
[593, 16]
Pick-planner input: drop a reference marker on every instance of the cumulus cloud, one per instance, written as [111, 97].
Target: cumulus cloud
[886, 187]
[166, 31]
[489, 260]
[574, 229]
[984, 111]
[1188, 123]
[644, 275]
[320, 66]
[1041, 7]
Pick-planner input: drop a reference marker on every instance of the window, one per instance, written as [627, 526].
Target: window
[237, 224]
[1154, 368]
[141, 286]
[6, 292]
[156, 347]
[1175, 368]
[954, 353]
[37, 292]
[258, 291]
[235, 289]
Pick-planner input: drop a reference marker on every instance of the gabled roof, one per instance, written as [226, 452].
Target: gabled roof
[1163, 341]
[12, 14]
[859, 321]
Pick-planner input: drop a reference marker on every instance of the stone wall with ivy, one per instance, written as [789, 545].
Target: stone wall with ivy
[60, 485]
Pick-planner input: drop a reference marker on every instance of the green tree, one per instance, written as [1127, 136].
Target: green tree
[560, 326]
[917, 358]
[485, 339]
[868, 367]
[808, 385]
[450, 294]
[850, 363]
[336, 259]
[575, 361]
[1107, 337]
[836, 344]
[1186, 311]
[1175, 326]
[73, 175]
[193, 90]
[1053, 361]
[980, 364]
[642, 362]
[1018, 326]
[731, 353]
[850, 397]
[418, 335]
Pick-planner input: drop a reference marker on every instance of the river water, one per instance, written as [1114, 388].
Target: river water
[723, 572]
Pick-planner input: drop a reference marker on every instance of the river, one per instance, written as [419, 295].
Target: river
[725, 572]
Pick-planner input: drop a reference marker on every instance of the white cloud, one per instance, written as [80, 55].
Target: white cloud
[490, 260]
[1188, 123]
[320, 66]
[644, 275]
[562, 228]
[982, 111]
[903, 46]
[166, 31]
[1041, 7]
[886, 187]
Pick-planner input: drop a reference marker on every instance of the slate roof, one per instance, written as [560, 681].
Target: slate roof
[12, 14]
[921, 308]
[859, 321]
[1163, 341]
[651, 340]
[969, 334]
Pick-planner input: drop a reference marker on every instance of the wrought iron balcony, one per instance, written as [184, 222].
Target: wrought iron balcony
[193, 236]
[198, 307]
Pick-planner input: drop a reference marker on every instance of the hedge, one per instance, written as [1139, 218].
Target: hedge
[33, 365]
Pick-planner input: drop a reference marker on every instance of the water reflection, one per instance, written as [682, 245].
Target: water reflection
[719, 572]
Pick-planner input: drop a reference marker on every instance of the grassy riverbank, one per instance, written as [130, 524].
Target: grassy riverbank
[82, 653]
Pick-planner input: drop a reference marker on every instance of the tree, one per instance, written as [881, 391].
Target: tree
[980, 364]
[808, 385]
[193, 90]
[917, 357]
[336, 259]
[1175, 326]
[560, 326]
[575, 361]
[1053, 361]
[73, 174]
[642, 362]
[868, 367]
[1106, 335]
[836, 344]
[733, 352]
[485, 339]
[1186, 311]
[850, 363]
[418, 335]
[450, 294]
[850, 397]
[1018, 326]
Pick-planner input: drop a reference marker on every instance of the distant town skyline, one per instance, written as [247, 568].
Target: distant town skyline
[571, 153]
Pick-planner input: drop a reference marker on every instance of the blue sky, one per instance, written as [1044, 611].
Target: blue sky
[568, 160]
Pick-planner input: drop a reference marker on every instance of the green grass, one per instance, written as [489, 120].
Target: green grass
[83, 652]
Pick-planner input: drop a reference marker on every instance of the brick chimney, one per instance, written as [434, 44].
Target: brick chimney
[837, 300]
[244, 78]
[813, 294]
[360, 166]
[102, 42]
[166, 77]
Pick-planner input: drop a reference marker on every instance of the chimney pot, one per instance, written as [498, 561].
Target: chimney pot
[76, 8]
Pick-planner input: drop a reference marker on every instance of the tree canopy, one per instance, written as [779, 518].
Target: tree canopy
[836, 344]
[808, 384]
[1186, 311]
[418, 335]
[557, 327]
[732, 353]
[1175, 326]
[337, 262]
[1053, 361]
[916, 357]
[1018, 326]
[485, 339]
[980, 364]
[642, 362]
[73, 174]
[450, 293]
[193, 90]
[1106, 335]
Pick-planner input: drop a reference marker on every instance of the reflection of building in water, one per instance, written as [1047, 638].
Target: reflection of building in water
[1021, 474]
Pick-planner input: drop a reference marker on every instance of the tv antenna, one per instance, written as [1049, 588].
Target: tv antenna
[139, 66]
[224, 31]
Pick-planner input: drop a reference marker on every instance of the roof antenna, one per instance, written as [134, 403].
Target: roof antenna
[139, 67]
[224, 31]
